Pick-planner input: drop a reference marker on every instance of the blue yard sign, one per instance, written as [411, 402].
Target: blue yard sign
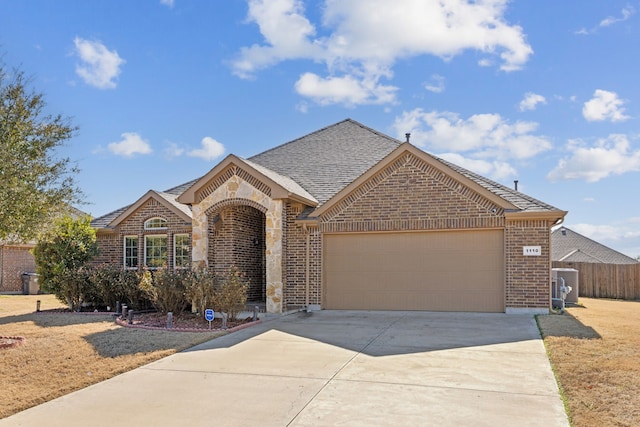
[208, 314]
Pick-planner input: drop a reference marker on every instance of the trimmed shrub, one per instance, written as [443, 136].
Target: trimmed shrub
[200, 288]
[230, 295]
[165, 289]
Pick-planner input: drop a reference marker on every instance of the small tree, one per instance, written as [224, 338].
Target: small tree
[62, 256]
[37, 185]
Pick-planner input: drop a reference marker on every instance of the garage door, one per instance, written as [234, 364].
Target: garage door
[438, 271]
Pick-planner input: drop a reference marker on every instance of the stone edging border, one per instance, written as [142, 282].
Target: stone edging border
[13, 341]
[125, 324]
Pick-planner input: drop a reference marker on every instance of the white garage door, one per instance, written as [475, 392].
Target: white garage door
[437, 271]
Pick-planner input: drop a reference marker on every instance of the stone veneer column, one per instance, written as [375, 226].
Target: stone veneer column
[273, 237]
[237, 188]
[199, 237]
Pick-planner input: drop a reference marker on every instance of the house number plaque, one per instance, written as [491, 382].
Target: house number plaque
[532, 250]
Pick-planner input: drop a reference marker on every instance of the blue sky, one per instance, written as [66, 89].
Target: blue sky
[543, 92]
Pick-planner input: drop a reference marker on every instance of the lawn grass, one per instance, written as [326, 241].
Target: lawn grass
[595, 352]
[66, 352]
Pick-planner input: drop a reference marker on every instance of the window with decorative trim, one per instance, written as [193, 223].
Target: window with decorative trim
[155, 223]
[130, 252]
[181, 251]
[155, 251]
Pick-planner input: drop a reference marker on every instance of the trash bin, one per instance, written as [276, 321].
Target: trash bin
[30, 285]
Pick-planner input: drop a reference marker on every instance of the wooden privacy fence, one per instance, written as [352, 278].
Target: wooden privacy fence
[621, 281]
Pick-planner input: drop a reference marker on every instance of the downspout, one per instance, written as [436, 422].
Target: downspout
[307, 265]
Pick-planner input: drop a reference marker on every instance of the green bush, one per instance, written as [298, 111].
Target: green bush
[62, 256]
[113, 284]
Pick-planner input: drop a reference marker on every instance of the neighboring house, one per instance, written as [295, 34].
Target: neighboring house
[569, 246]
[16, 259]
[347, 218]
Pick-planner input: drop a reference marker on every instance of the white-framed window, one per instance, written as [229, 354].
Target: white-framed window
[155, 223]
[130, 252]
[181, 251]
[155, 251]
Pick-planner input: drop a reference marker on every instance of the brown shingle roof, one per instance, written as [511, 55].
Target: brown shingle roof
[329, 159]
[569, 246]
[323, 162]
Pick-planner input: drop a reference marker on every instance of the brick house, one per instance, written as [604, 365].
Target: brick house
[15, 259]
[348, 218]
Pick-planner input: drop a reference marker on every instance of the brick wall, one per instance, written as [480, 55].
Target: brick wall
[409, 194]
[15, 260]
[527, 277]
[238, 241]
[295, 259]
[111, 244]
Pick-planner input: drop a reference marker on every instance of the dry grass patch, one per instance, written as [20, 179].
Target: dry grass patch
[66, 352]
[595, 352]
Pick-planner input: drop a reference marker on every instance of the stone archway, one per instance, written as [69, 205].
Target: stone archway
[237, 191]
[237, 239]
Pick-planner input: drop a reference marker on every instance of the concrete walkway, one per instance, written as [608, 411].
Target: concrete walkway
[332, 368]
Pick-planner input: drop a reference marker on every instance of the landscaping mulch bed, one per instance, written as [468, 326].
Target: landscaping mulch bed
[7, 342]
[182, 322]
[187, 321]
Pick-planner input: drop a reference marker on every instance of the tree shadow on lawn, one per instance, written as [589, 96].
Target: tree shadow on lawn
[565, 325]
[129, 341]
[56, 319]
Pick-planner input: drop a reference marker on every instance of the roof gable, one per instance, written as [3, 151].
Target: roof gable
[166, 199]
[569, 246]
[269, 182]
[456, 181]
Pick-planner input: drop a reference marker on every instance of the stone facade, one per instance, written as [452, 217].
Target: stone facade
[234, 186]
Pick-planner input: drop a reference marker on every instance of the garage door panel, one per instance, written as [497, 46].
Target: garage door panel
[442, 271]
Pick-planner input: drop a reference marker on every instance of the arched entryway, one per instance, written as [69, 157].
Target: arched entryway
[237, 239]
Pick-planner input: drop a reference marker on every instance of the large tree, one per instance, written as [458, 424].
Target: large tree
[36, 183]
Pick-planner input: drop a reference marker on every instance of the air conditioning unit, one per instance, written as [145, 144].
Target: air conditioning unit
[570, 278]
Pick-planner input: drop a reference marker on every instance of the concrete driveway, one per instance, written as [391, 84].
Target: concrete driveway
[334, 368]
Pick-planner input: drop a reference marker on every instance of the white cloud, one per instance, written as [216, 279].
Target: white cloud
[531, 101]
[360, 47]
[610, 156]
[436, 85]
[604, 105]
[610, 20]
[609, 232]
[130, 145]
[172, 150]
[625, 13]
[168, 3]
[99, 66]
[344, 90]
[480, 136]
[211, 149]
[494, 169]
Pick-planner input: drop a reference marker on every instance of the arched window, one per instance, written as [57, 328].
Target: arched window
[155, 223]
